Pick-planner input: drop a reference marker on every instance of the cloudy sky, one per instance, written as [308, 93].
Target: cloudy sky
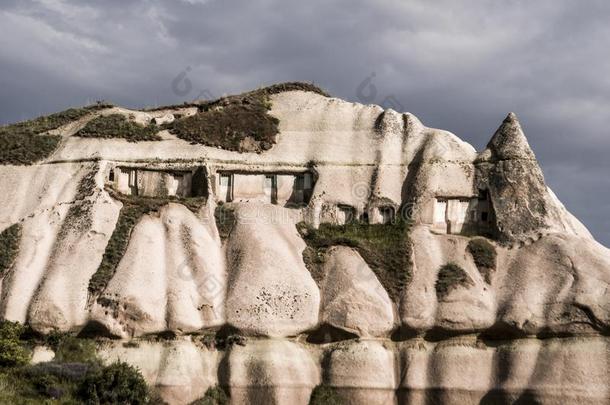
[458, 65]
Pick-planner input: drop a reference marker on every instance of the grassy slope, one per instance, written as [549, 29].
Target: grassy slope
[223, 123]
[25, 143]
[118, 126]
[238, 123]
[484, 255]
[385, 248]
[9, 247]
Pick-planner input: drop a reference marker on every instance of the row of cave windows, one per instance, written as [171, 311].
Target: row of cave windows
[348, 214]
[303, 185]
[302, 188]
[476, 215]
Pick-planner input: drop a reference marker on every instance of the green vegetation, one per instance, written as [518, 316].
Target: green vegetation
[25, 143]
[230, 124]
[86, 185]
[325, 395]
[75, 376]
[449, 277]
[484, 255]
[118, 126]
[9, 247]
[238, 123]
[118, 383]
[213, 396]
[269, 90]
[386, 248]
[225, 220]
[134, 208]
[74, 350]
[292, 86]
[12, 350]
[50, 122]
[79, 217]
[117, 245]
[25, 149]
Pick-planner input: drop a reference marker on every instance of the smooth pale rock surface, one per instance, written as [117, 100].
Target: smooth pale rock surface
[179, 370]
[554, 371]
[172, 277]
[28, 190]
[362, 372]
[76, 256]
[559, 283]
[65, 228]
[20, 283]
[272, 293]
[272, 372]
[353, 299]
[461, 370]
[465, 308]
[42, 354]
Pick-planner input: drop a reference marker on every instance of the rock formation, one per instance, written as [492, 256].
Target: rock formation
[495, 293]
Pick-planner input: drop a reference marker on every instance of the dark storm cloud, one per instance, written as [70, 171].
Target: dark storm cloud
[458, 65]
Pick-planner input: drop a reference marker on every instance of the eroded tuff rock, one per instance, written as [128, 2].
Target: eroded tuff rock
[352, 297]
[66, 224]
[271, 293]
[271, 371]
[172, 277]
[214, 251]
[350, 367]
[523, 206]
[455, 371]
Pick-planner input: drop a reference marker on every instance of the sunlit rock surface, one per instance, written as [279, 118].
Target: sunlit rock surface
[534, 330]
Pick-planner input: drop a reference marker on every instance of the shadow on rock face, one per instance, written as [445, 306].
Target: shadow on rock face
[95, 329]
[328, 334]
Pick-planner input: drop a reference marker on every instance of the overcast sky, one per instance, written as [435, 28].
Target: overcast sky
[458, 65]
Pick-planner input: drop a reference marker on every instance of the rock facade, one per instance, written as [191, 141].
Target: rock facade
[532, 329]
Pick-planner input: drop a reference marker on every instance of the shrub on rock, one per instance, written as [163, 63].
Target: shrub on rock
[484, 255]
[13, 351]
[118, 383]
[325, 395]
[213, 396]
[451, 276]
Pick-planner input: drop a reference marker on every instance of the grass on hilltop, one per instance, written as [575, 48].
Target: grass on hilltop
[118, 126]
[237, 123]
[27, 142]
